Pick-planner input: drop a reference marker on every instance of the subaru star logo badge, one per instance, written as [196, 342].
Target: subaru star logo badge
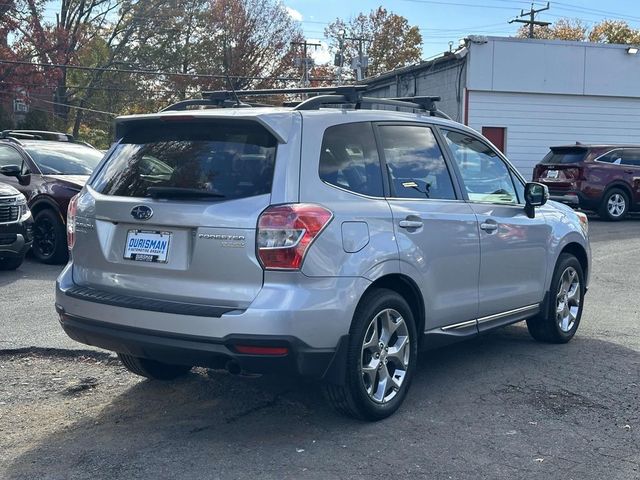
[141, 212]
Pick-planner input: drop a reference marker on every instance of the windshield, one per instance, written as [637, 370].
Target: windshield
[64, 159]
[191, 160]
[564, 155]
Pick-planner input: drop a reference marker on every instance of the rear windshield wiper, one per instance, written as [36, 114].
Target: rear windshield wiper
[180, 192]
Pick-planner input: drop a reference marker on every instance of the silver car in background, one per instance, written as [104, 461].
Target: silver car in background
[329, 243]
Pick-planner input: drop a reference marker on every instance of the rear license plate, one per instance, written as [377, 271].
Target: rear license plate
[552, 173]
[147, 246]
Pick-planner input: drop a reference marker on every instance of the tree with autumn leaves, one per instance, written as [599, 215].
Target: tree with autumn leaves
[195, 44]
[607, 31]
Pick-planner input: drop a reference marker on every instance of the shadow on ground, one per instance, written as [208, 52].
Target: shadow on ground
[500, 406]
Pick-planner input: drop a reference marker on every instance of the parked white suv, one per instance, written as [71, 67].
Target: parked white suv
[326, 242]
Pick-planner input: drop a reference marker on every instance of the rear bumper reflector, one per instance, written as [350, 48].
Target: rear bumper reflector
[259, 350]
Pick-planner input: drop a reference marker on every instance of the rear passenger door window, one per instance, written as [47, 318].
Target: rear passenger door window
[349, 159]
[485, 175]
[631, 156]
[415, 163]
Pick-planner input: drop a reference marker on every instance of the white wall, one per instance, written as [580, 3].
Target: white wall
[534, 122]
[553, 66]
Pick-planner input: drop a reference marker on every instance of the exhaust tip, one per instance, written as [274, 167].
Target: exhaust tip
[233, 367]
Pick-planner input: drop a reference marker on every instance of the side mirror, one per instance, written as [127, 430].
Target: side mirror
[25, 177]
[10, 170]
[535, 195]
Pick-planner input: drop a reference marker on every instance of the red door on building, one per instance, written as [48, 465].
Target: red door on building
[497, 136]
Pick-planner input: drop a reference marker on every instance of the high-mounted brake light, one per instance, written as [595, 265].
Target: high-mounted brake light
[285, 233]
[71, 221]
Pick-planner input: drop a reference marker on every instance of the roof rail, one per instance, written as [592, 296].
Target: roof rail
[322, 96]
[37, 135]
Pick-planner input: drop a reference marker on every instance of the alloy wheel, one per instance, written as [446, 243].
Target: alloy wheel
[568, 299]
[385, 355]
[616, 205]
[44, 237]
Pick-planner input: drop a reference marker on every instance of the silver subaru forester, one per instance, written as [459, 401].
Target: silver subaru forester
[333, 243]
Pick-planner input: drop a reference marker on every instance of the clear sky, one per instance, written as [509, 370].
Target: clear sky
[441, 21]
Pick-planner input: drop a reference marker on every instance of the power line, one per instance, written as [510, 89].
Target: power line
[149, 72]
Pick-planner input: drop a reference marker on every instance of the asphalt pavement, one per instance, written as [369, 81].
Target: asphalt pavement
[499, 406]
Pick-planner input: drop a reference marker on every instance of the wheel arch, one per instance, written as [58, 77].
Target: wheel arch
[404, 286]
[578, 251]
[621, 186]
[41, 203]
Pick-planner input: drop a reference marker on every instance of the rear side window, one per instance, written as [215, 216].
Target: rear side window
[349, 159]
[228, 160]
[614, 157]
[559, 156]
[416, 166]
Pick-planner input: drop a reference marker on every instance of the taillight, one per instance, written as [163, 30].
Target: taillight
[71, 221]
[573, 173]
[285, 233]
[537, 170]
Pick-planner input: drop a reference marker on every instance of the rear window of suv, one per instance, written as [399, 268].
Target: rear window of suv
[228, 160]
[559, 156]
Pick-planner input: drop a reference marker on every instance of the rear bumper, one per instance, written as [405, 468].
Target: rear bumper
[299, 359]
[571, 199]
[575, 198]
[309, 316]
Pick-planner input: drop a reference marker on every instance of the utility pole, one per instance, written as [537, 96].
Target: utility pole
[339, 58]
[532, 18]
[305, 61]
[362, 62]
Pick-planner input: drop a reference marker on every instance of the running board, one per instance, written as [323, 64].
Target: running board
[441, 336]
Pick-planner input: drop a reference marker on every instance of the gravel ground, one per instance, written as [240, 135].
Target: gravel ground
[500, 406]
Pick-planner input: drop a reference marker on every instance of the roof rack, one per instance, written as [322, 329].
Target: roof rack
[36, 135]
[322, 96]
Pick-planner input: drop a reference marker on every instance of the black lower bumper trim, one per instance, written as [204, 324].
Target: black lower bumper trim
[143, 303]
[209, 352]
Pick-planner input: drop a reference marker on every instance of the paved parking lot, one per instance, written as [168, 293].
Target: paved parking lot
[500, 406]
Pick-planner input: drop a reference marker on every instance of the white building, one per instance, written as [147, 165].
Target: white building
[527, 95]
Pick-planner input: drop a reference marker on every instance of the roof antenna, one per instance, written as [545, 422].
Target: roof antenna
[233, 90]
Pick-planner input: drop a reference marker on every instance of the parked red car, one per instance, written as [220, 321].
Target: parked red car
[48, 168]
[601, 178]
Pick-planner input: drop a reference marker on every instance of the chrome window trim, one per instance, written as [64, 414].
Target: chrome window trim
[597, 159]
[363, 195]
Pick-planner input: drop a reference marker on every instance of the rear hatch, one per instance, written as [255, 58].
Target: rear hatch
[172, 213]
[561, 167]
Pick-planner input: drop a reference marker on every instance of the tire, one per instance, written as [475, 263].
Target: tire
[11, 263]
[151, 368]
[615, 205]
[358, 397]
[555, 326]
[49, 238]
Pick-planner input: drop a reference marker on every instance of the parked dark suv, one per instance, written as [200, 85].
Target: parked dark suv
[51, 168]
[602, 178]
[15, 226]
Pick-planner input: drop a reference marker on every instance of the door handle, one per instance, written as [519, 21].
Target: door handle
[489, 226]
[628, 171]
[410, 223]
